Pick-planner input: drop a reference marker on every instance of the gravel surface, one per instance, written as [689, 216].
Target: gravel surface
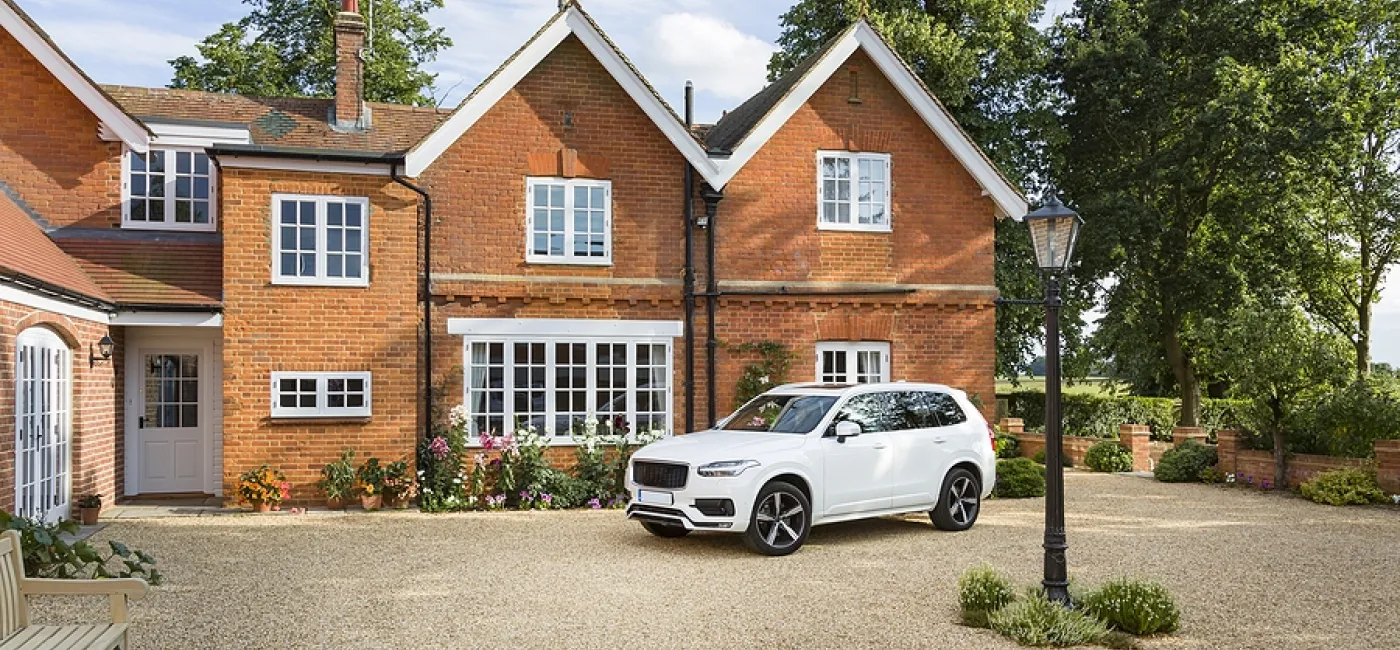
[1251, 571]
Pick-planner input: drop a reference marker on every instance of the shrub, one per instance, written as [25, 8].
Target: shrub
[981, 591]
[47, 555]
[1184, 462]
[263, 484]
[1342, 487]
[1008, 446]
[1019, 478]
[1035, 620]
[1065, 460]
[1133, 606]
[1109, 456]
[338, 478]
[1348, 421]
[1099, 416]
[371, 477]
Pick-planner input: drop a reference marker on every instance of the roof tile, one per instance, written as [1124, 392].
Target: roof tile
[157, 270]
[25, 250]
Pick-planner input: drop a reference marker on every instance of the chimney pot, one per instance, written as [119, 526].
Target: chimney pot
[351, 6]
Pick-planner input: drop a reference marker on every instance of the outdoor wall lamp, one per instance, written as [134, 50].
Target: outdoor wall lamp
[1054, 232]
[106, 346]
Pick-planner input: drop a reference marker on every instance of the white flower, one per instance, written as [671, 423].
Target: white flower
[458, 415]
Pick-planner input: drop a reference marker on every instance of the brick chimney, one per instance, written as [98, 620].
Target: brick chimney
[350, 111]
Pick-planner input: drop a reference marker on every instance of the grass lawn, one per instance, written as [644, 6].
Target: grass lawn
[1087, 386]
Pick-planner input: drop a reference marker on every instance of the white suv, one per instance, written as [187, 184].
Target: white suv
[807, 454]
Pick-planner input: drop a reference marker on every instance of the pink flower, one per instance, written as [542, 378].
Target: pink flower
[438, 448]
[488, 441]
[595, 504]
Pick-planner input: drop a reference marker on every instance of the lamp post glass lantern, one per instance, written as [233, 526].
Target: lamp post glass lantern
[1054, 232]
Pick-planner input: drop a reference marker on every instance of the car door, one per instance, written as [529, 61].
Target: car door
[858, 471]
[921, 451]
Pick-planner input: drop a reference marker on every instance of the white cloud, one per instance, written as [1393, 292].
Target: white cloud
[110, 44]
[722, 60]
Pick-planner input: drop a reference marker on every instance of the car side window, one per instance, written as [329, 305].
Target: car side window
[922, 409]
[874, 412]
[947, 409]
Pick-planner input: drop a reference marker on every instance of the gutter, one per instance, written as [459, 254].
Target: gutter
[31, 283]
[305, 153]
[427, 294]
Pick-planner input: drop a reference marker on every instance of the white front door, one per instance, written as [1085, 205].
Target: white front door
[169, 422]
[42, 441]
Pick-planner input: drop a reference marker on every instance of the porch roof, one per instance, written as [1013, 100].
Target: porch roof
[28, 255]
[142, 269]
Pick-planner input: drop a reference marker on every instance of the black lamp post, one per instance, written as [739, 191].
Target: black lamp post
[1054, 230]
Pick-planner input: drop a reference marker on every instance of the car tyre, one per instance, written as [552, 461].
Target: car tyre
[959, 503]
[780, 521]
[668, 531]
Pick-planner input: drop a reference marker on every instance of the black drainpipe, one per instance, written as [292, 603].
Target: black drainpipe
[427, 297]
[688, 281]
[712, 198]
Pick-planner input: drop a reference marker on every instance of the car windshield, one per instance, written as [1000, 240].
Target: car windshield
[781, 414]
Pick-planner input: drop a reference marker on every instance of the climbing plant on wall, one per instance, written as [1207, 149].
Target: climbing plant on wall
[771, 369]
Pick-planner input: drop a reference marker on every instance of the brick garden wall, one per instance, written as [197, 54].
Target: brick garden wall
[293, 328]
[50, 154]
[1248, 464]
[96, 412]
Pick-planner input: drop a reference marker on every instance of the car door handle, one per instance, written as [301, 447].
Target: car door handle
[880, 445]
[939, 440]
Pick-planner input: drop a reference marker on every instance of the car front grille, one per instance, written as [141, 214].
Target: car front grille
[659, 475]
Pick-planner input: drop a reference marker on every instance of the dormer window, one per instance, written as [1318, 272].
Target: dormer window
[168, 189]
[853, 191]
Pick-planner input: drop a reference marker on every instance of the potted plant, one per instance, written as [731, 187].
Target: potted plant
[398, 485]
[263, 488]
[88, 509]
[338, 480]
[371, 478]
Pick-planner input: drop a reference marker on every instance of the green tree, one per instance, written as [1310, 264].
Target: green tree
[1275, 357]
[287, 48]
[1168, 138]
[1342, 93]
[985, 61]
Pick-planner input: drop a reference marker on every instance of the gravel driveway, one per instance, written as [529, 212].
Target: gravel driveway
[1251, 571]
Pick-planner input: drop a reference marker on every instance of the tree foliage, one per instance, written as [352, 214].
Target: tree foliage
[287, 48]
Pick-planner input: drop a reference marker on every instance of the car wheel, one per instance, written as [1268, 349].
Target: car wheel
[665, 530]
[781, 517]
[959, 503]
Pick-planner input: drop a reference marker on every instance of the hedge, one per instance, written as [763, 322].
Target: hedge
[1099, 416]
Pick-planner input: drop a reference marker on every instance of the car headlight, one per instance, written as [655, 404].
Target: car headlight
[726, 467]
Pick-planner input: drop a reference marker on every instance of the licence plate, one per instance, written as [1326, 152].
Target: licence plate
[650, 496]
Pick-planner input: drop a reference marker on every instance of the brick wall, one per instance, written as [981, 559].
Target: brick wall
[280, 328]
[49, 150]
[97, 444]
[1254, 466]
[943, 226]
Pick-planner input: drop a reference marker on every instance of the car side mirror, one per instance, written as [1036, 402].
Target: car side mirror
[846, 429]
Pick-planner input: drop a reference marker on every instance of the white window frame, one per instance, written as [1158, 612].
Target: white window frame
[322, 408]
[591, 386]
[853, 202]
[568, 257]
[320, 279]
[169, 198]
[851, 349]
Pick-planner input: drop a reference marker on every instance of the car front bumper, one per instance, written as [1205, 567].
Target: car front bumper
[700, 505]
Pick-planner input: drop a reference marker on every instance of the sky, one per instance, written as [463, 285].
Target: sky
[721, 45]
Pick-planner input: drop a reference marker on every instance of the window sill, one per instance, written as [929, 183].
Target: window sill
[169, 227]
[878, 230]
[299, 282]
[568, 261]
[320, 419]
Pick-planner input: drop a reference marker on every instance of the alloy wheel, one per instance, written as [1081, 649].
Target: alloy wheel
[780, 520]
[963, 501]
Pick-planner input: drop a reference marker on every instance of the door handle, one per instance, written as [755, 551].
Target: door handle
[140, 422]
[880, 445]
[939, 440]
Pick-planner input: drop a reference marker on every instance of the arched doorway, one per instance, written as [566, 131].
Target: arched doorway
[43, 441]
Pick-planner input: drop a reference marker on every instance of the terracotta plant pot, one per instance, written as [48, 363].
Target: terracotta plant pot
[88, 516]
[369, 502]
[337, 503]
[398, 502]
[259, 506]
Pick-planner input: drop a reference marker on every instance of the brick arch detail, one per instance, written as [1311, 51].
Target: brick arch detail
[60, 325]
[855, 327]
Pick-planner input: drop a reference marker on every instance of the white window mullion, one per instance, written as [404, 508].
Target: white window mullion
[630, 386]
[508, 385]
[569, 232]
[170, 177]
[590, 352]
[321, 239]
[549, 387]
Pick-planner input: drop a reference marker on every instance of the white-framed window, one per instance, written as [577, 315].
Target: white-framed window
[320, 394]
[555, 383]
[168, 189]
[853, 191]
[856, 362]
[320, 240]
[568, 221]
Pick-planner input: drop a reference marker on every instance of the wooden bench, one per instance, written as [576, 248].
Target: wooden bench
[15, 590]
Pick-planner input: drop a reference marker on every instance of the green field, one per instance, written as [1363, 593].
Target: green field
[1090, 386]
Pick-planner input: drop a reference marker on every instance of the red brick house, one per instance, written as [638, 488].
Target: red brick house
[279, 278]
